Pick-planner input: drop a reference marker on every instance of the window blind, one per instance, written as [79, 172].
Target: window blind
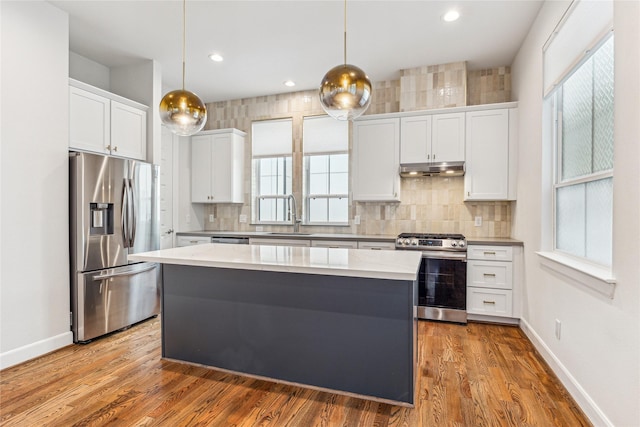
[583, 25]
[324, 134]
[272, 138]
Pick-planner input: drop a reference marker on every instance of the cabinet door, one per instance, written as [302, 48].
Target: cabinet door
[415, 139]
[344, 244]
[221, 168]
[376, 160]
[447, 138]
[89, 127]
[201, 169]
[487, 155]
[128, 131]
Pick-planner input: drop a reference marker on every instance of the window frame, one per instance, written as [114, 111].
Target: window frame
[555, 97]
[308, 196]
[279, 153]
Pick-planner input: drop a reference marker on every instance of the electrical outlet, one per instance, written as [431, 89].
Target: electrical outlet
[188, 219]
[558, 328]
[211, 218]
[243, 218]
[478, 221]
[356, 220]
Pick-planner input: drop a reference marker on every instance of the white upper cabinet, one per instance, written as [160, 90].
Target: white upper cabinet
[376, 160]
[432, 138]
[106, 123]
[128, 131]
[89, 121]
[217, 166]
[491, 157]
[448, 137]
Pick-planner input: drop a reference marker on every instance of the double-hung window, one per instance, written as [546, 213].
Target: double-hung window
[326, 170]
[272, 170]
[583, 135]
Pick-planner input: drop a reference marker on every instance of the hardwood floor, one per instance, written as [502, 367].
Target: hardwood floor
[474, 375]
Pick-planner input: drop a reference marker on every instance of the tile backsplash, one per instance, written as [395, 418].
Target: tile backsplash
[428, 204]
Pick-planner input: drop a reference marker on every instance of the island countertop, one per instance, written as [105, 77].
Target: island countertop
[394, 265]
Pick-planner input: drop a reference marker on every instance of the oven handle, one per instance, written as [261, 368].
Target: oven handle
[445, 255]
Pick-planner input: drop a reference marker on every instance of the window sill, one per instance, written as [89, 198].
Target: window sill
[597, 278]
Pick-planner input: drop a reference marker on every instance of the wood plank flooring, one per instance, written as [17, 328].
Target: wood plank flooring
[473, 375]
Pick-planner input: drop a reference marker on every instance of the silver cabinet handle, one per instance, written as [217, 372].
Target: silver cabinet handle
[115, 148]
[489, 253]
[489, 302]
[489, 274]
[375, 249]
[126, 273]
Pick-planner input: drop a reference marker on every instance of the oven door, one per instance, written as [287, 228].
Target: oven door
[442, 286]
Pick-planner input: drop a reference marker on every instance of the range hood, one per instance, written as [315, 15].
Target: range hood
[416, 170]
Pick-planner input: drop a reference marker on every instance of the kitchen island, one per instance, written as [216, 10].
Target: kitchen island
[341, 320]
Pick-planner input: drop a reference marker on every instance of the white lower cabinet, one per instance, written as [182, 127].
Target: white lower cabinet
[279, 242]
[344, 244]
[377, 246]
[192, 240]
[490, 282]
[492, 302]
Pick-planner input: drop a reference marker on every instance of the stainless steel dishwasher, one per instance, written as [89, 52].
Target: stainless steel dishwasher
[231, 240]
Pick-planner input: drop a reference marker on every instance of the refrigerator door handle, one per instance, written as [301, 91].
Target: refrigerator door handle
[134, 220]
[125, 213]
[125, 273]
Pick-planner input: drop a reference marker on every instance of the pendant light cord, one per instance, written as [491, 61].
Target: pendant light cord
[345, 32]
[184, 36]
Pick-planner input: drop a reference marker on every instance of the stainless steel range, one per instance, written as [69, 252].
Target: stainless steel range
[442, 280]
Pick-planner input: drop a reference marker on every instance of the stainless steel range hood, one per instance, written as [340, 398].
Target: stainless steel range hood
[416, 170]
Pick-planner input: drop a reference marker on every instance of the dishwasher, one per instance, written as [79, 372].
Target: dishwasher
[231, 240]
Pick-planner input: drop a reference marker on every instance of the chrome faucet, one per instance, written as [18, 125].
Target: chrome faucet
[293, 213]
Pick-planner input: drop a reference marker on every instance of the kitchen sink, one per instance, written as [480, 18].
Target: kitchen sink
[284, 233]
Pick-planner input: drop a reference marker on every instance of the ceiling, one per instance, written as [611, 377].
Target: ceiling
[265, 42]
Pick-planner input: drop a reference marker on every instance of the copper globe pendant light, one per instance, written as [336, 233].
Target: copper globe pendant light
[180, 110]
[345, 91]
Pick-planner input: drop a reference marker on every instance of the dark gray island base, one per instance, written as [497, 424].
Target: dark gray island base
[349, 335]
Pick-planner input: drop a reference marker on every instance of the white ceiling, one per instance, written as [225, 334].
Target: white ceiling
[265, 42]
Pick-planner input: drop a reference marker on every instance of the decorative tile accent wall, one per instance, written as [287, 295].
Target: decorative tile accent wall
[434, 204]
[489, 86]
[434, 86]
[429, 204]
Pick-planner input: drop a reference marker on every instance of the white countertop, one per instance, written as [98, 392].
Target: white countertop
[393, 265]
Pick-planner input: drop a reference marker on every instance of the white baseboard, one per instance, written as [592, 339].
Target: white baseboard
[33, 350]
[586, 403]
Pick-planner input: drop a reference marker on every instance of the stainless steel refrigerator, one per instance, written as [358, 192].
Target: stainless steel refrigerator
[114, 206]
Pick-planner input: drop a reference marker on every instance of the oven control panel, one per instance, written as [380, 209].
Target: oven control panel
[454, 242]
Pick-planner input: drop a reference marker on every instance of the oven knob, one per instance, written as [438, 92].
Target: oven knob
[461, 243]
[454, 244]
[414, 242]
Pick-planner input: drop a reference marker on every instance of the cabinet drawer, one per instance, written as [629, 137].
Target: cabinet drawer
[346, 244]
[493, 302]
[490, 274]
[192, 240]
[490, 253]
[376, 246]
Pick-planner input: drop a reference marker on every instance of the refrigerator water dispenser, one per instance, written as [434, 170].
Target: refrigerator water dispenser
[101, 218]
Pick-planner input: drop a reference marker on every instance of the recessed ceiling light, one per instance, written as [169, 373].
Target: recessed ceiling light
[216, 57]
[451, 16]
[290, 83]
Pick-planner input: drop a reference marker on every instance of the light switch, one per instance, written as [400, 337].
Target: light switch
[243, 218]
[478, 221]
[356, 220]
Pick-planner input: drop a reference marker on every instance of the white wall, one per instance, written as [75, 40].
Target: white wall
[34, 230]
[190, 216]
[88, 71]
[598, 355]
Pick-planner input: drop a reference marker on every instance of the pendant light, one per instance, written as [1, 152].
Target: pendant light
[180, 110]
[345, 91]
